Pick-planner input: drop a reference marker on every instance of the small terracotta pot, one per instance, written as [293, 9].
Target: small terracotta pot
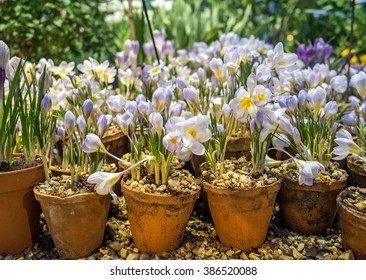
[357, 173]
[76, 223]
[237, 146]
[309, 209]
[116, 144]
[158, 221]
[19, 211]
[242, 216]
[353, 229]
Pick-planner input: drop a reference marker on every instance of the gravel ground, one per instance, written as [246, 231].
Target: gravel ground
[201, 242]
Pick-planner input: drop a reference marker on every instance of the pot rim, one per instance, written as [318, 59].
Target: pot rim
[341, 206]
[68, 199]
[355, 167]
[19, 171]
[159, 198]
[316, 187]
[271, 188]
[112, 137]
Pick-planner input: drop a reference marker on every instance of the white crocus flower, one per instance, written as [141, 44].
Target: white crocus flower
[358, 82]
[308, 171]
[105, 181]
[242, 105]
[346, 145]
[116, 103]
[63, 69]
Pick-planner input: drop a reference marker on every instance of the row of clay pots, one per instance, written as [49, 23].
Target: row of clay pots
[352, 222]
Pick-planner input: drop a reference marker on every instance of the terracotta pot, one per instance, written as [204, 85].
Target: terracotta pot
[309, 209]
[158, 221]
[357, 173]
[116, 144]
[242, 216]
[353, 229]
[76, 223]
[19, 211]
[237, 146]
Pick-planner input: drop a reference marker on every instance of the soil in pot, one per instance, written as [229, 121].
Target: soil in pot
[351, 207]
[241, 205]
[357, 168]
[305, 209]
[159, 215]
[75, 215]
[19, 210]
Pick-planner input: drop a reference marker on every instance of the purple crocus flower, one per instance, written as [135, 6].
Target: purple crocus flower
[316, 53]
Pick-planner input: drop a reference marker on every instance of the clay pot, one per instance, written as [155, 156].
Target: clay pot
[238, 145]
[76, 223]
[353, 229]
[19, 211]
[309, 210]
[158, 221]
[357, 173]
[116, 144]
[242, 216]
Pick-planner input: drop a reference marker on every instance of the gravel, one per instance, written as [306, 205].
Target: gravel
[200, 242]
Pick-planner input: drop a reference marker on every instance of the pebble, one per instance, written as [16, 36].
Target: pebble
[300, 247]
[133, 256]
[348, 255]
[123, 253]
[115, 245]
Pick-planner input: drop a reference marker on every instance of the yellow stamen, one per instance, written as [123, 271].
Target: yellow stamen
[246, 103]
[192, 132]
[260, 97]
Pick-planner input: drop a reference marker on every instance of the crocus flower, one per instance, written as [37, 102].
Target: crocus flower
[63, 69]
[330, 109]
[124, 121]
[346, 145]
[69, 122]
[12, 67]
[308, 171]
[104, 181]
[123, 60]
[261, 95]
[175, 109]
[116, 103]
[242, 105]
[173, 141]
[291, 103]
[61, 133]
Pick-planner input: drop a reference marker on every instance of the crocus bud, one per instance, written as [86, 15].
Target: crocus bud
[331, 109]
[12, 67]
[93, 144]
[181, 83]
[226, 111]
[131, 106]
[148, 48]
[201, 74]
[296, 136]
[349, 119]
[252, 126]
[175, 109]
[69, 122]
[102, 125]
[158, 99]
[124, 121]
[144, 108]
[157, 122]
[302, 97]
[46, 104]
[259, 118]
[140, 98]
[4, 60]
[123, 60]
[61, 133]
[81, 124]
[291, 103]
[87, 108]
[116, 103]
[191, 95]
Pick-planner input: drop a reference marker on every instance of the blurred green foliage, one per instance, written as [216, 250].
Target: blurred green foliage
[58, 29]
[74, 30]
